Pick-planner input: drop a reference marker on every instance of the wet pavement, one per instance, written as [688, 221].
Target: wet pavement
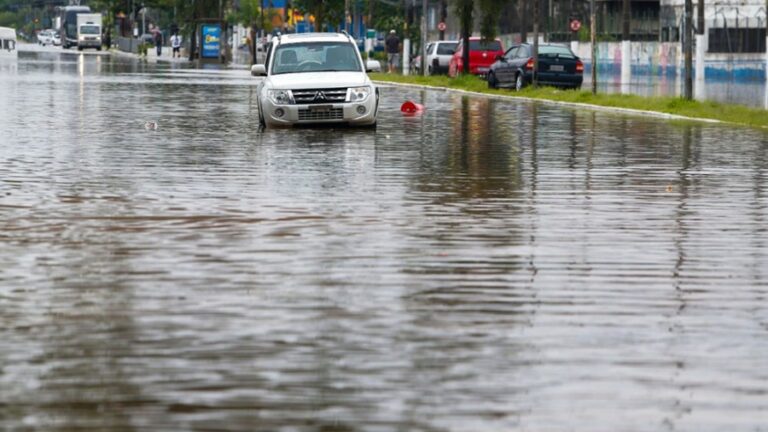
[491, 265]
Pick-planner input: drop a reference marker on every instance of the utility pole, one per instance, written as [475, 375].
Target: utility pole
[688, 49]
[593, 38]
[701, 45]
[424, 37]
[626, 47]
[536, 6]
[444, 15]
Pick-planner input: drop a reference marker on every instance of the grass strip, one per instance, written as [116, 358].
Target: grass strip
[737, 114]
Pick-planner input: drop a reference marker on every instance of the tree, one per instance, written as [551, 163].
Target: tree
[324, 11]
[489, 10]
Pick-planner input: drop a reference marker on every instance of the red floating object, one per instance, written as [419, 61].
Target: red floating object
[409, 107]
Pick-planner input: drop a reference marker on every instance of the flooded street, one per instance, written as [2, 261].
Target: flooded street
[492, 265]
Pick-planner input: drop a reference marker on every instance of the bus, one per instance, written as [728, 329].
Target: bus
[67, 19]
[8, 44]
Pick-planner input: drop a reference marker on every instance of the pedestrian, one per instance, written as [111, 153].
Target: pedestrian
[393, 51]
[176, 45]
[159, 42]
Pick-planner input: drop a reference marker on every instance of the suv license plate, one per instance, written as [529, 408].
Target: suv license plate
[320, 108]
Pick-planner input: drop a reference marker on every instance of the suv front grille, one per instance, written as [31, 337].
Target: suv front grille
[329, 114]
[319, 96]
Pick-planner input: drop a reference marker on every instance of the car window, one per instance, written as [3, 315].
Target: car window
[555, 51]
[511, 53]
[316, 57]
[523, 52]
[446, 48]
[480, 45]
[430, 48]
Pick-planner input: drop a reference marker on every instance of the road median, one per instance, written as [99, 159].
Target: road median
[666, 107]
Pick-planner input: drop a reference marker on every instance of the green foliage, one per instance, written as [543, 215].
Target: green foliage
[144, 48]
[8, 19]
[325, 11]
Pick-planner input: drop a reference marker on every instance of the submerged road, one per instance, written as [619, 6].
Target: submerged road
[490, 265]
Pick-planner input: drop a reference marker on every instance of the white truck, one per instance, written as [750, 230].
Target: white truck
[88, 31]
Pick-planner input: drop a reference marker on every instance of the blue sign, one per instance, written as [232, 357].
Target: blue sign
[211, 40]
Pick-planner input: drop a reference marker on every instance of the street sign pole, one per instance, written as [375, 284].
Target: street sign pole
[593, 38]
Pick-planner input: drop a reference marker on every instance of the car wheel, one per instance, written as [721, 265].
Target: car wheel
[492, 83]
[519, 82]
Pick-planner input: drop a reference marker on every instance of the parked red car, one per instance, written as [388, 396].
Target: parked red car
[482, 54]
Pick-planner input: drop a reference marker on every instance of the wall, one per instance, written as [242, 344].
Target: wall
[666, 58]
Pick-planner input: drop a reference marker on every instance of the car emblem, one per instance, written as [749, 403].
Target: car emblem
[320, 96]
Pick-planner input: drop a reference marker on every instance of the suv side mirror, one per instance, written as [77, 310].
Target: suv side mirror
[372, 66]
[258, 70]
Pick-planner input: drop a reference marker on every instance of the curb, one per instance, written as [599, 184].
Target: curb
[561, 103]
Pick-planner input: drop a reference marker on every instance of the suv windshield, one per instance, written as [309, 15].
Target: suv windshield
[315, 57]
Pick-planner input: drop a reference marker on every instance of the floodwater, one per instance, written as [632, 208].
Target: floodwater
[491, 265]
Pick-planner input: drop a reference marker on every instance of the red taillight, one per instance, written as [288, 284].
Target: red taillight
[579, 66]
[529, 65]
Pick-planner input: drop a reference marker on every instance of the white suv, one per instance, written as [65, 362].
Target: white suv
[315, 78]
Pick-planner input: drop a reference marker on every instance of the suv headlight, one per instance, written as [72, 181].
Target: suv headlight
[280, 97]
[358, 94]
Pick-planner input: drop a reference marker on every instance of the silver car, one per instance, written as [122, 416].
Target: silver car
[439, 55]
[312, 78]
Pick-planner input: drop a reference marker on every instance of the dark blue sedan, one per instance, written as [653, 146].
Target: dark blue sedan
[558, 67]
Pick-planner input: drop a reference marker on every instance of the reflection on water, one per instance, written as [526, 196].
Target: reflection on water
[489, 265]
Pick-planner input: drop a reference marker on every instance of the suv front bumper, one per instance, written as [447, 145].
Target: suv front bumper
[353, 113]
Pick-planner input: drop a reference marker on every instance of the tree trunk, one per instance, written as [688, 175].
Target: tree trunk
[523, 23]
[700, 17]
[466, 31]
[625, 17]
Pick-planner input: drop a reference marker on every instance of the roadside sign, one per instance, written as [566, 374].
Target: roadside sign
[211, 44]
[575, 25]
[441, 26]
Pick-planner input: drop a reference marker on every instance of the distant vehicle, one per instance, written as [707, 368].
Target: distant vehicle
[67, 16]
[56, 38]
[558, 66]
[88, 31]
[45, 37]
[439, 55]
[481, 55]
[8, 44]
[314, 78]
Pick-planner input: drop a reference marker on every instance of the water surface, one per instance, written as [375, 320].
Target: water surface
[490, 265]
